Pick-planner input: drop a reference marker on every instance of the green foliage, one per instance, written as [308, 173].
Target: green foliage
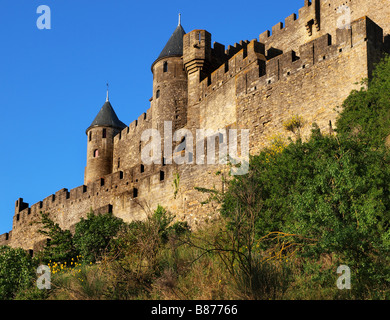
[17, 272]
[327, 196]
[60, 246]
[93, 235]
[366, 113]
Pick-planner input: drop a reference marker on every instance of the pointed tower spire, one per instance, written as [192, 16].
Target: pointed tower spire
[107, 94]
[174, 46]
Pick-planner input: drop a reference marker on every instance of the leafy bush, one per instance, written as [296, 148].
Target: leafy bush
[17, 272]
[60, 246]
[327, 195]
[366, 112]
[93, 235]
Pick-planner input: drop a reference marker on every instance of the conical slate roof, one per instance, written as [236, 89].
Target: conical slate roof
[174, 46]
[107, 118]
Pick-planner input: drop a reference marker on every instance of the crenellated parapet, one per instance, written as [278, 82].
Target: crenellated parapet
[266, 67]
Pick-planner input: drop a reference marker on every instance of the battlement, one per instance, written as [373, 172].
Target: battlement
[319, 17]
[135, 127]
[5, 238]
[266, 67]
[309, 16]
[139, 177]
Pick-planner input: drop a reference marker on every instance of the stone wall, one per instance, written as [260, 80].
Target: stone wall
[254, 85]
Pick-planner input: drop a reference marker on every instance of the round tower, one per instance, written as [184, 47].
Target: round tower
[169, 102]
[100, 146]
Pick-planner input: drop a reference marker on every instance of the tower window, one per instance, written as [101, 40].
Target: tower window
[104, 133]
[142, 169]
[119, 162]
[157, 94]
[165, 67]
[96, 153]
[90, 135]
[162, 175]
[135, 193]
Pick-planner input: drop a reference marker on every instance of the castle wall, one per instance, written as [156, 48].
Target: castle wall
[115, 193]
[258, 88]
[320, 17]
[127, 144]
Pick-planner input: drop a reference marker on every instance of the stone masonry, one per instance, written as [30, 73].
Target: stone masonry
[306, 66]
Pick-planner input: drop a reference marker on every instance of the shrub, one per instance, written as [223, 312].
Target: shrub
[17, 272]
[93, 235]
[326, 196]
[366, 113]
[60, 246]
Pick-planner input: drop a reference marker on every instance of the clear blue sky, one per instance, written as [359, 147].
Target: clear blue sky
[53, 82]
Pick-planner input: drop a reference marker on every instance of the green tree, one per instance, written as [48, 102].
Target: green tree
[366, 112]
[60, 246]
[93, 235]
[326, 196]
[17, 272]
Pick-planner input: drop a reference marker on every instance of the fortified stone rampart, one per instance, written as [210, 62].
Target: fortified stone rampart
[306, 67]
[128, 145]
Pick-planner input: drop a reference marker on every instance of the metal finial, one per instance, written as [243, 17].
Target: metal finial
[107, 93]
[179, 19]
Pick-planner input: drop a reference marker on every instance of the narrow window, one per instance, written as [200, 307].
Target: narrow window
[121, 175]
[96, 153]
[104, 133]
[157, 94]
[162, 175]
[135, 193]
[119, 163]
[90, 135]
[142, 169]
[165, 68]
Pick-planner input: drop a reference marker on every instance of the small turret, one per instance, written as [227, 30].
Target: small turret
[169, 100]
[100, 147]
